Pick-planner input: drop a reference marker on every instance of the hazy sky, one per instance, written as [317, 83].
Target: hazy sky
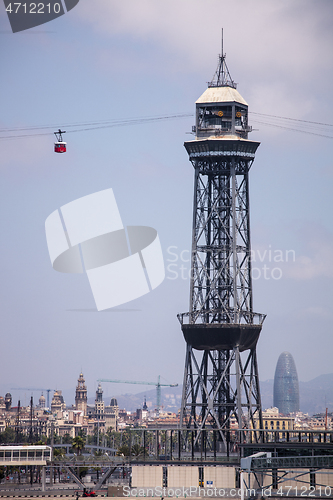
[108, 60]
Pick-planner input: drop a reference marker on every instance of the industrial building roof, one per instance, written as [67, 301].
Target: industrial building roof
[221, 94]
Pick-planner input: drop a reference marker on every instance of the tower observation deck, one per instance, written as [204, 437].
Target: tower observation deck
[220, 383]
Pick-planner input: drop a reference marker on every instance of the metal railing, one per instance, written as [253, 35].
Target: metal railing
[229, 317]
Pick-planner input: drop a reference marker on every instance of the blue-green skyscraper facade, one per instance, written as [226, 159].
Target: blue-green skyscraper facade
[286, 387]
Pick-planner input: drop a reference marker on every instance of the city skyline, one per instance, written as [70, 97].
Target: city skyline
[315, 395]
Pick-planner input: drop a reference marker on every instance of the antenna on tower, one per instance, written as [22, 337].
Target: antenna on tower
[222, 77]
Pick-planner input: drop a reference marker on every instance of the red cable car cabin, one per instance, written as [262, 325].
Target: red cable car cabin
[60, 145]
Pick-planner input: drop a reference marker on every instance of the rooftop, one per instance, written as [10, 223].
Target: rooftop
[221, 94]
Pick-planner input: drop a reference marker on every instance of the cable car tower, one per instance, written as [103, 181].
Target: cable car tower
[221, 384]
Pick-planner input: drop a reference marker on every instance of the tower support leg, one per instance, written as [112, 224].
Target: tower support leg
[219, 388]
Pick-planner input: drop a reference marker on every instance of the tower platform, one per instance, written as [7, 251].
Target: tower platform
[221, 146]
[217, 336]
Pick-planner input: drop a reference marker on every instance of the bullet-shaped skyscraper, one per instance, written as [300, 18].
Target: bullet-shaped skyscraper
[286, 387]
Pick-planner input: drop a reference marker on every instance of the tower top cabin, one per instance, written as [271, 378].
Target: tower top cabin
[221, 127]
[221, 112]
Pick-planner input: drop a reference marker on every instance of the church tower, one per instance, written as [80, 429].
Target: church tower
[99, 403]
[81, 395]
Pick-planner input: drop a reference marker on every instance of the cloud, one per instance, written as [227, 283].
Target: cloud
[26, 154]
[312, 313]
[278, 36]
[318, 311]
[278, 51]
[317, 262]
[306, 268]
[311, 262]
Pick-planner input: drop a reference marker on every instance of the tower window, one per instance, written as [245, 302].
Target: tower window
[215, 117]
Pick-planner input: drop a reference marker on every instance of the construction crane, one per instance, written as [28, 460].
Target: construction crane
[34, 390]
[158, 387]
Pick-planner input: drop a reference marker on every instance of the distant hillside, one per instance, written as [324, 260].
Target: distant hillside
[170, 399]
[266, 389]
[315, 396]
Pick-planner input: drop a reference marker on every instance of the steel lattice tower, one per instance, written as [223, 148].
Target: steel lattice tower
[220, 384]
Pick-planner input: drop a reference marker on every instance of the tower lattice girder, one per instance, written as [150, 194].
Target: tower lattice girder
[221, 385]
[221, 230]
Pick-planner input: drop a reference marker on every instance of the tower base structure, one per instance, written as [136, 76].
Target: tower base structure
[221, 386]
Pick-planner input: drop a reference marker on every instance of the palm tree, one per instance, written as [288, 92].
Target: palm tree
[137, 450]
[123, 451]
[59, 452]
[78, 444]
